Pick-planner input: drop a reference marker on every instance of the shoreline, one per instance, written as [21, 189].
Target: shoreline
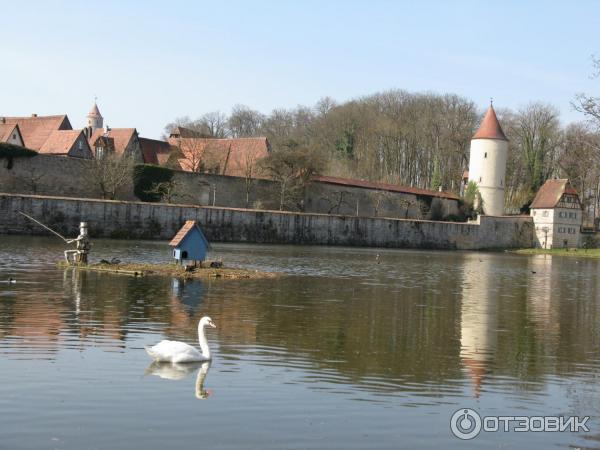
[573, 252]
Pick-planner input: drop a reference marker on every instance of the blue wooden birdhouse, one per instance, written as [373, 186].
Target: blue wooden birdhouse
[190, 243]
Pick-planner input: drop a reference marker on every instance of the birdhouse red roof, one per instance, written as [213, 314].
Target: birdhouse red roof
[182, 233]
[490, 127]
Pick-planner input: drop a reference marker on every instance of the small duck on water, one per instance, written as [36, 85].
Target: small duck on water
[10, 280]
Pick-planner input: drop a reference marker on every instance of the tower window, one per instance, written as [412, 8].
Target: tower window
[485, 155]
[500, 181]
[480, 179]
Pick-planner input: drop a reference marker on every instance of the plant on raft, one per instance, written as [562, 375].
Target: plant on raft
[151, 183]
[11, 151]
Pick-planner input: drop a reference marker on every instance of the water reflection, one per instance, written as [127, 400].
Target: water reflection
[478, 319]
[174, 371]
[189, 293]
[201, 393]
[171, 371]
[426, 330]
[409, 324]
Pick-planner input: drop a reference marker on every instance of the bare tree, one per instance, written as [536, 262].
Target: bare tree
[213, 124]
[244, 122]
[337, 199]
[378, 198]
[587, 104]
[32, 179]
[111, 173]
[292, 167]
[539, 136]
[191, 154]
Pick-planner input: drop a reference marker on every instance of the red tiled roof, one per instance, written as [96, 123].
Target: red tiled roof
[7, 130]
[182, 132]
[551, 192]
[384, 187]
[183, 231]
[232, 156]
[60, 142]
[155, 151]
[36, 129]
[490, 127]
[163, 159]
[121, 137]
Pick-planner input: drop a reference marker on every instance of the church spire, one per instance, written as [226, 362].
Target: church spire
[95, 119]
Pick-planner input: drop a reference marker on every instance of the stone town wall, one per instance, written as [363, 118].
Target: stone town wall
[329, 198]
[61, 176]
[137, 220]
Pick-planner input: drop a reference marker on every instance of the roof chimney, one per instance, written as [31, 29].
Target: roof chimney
[34, 115]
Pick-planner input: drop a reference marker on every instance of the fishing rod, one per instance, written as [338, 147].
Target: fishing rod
[47, 228]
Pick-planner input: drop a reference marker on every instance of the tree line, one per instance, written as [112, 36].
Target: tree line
[421, 140]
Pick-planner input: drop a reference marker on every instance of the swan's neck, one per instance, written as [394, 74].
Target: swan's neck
[203, 342]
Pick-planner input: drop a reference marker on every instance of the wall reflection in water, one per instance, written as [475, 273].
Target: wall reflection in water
[420, 322]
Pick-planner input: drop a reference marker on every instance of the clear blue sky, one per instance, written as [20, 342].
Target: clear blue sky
[149, 62]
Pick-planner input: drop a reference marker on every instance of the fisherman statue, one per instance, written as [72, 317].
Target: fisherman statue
[80, 255]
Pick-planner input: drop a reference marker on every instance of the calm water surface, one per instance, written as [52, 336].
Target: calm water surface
[341, 352]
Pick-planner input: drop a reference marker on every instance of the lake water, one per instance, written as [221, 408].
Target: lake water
[341, 352]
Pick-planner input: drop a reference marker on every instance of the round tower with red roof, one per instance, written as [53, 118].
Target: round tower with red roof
[487, 163]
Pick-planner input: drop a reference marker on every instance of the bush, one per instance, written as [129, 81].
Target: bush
[10, 151]
[13, 151]
[145, 179]
[454, 218]
[589, 241]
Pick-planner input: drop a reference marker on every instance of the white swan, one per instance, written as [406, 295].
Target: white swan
[180, 352]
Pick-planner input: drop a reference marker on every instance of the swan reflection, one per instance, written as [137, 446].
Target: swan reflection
[174, 371]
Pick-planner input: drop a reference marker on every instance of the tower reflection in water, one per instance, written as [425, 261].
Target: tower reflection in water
[479, 319]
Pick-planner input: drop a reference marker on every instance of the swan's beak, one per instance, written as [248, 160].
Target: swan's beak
[212, 325]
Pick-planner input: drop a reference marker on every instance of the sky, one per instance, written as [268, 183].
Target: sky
[153, 61]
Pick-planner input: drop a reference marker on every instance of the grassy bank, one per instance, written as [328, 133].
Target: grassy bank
[580, 252]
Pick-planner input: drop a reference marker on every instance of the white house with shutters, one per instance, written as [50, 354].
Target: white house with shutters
[557, 215]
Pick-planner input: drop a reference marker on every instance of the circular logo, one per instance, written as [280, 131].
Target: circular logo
[465, 424]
